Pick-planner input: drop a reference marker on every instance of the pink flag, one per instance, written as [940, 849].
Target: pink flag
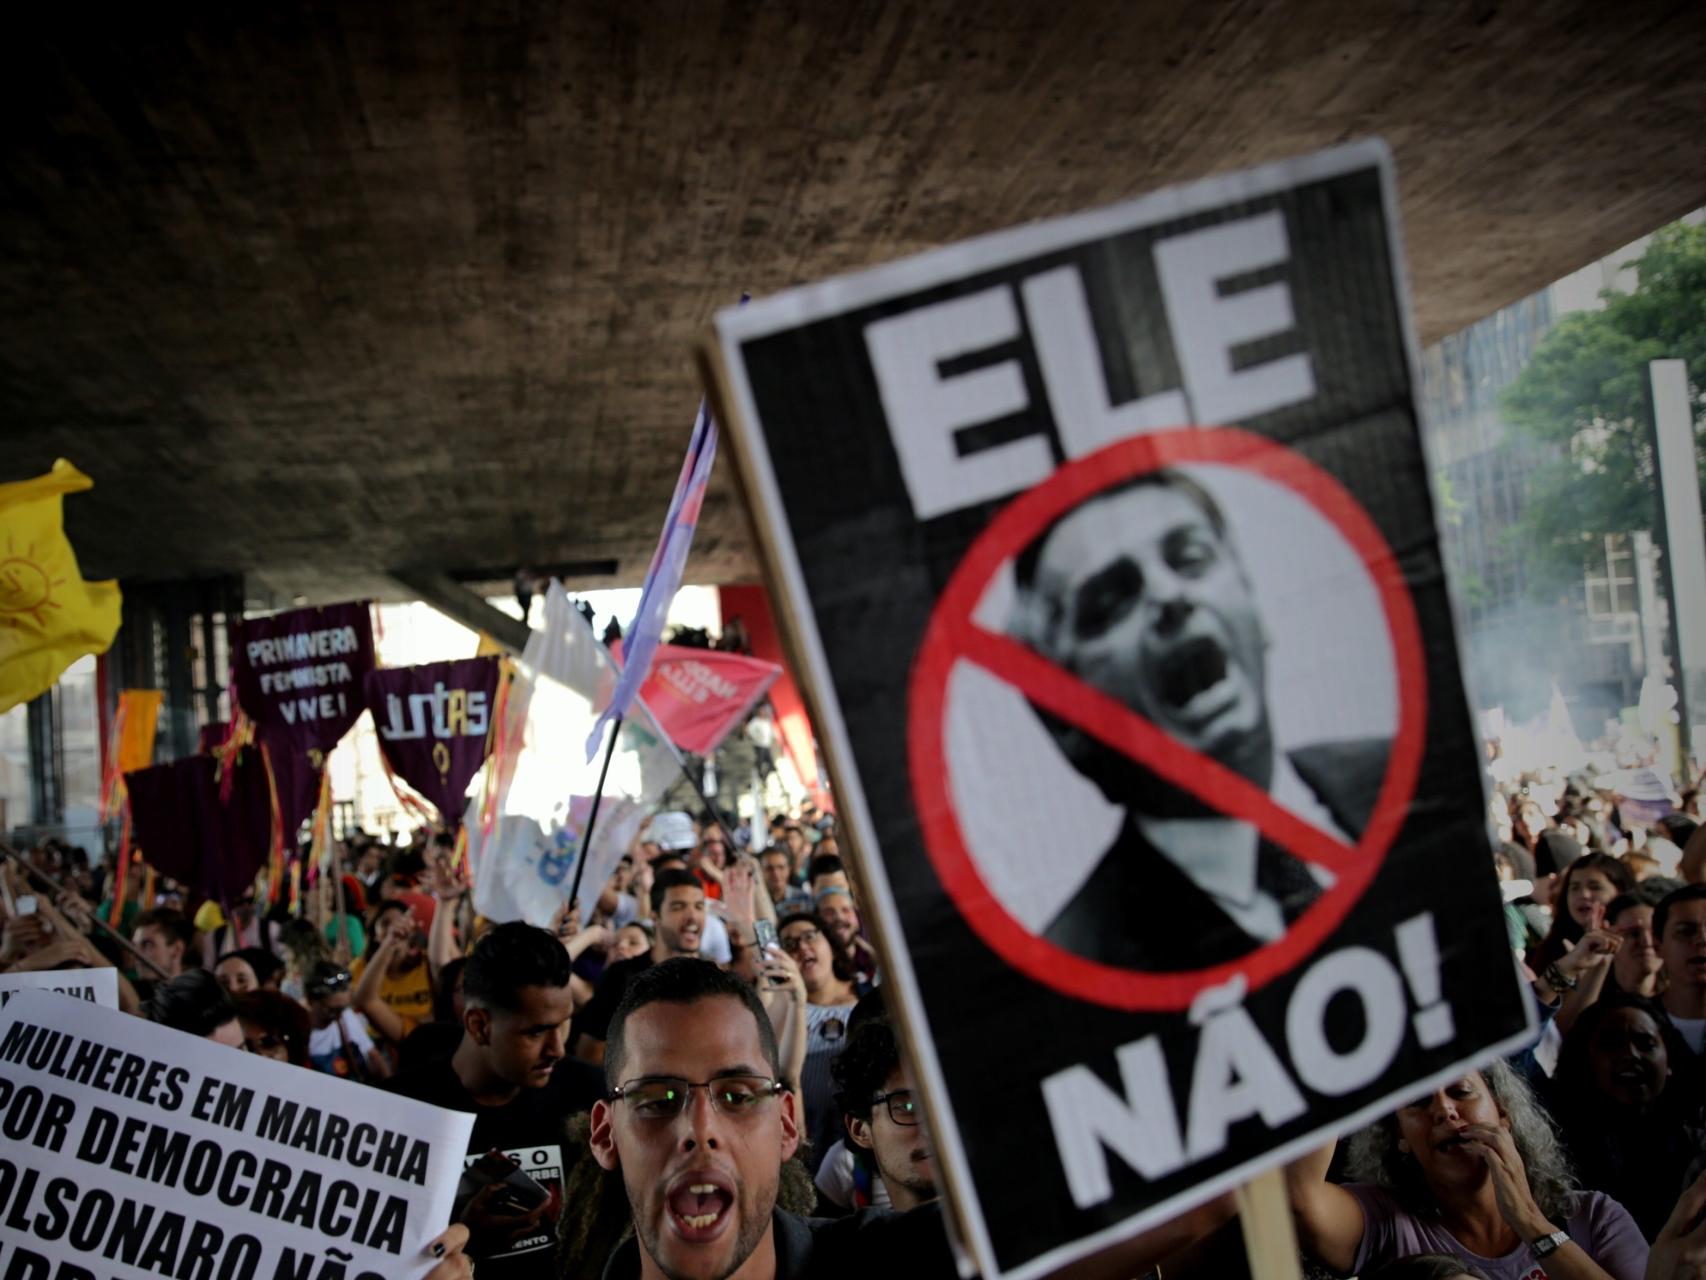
[700, 696]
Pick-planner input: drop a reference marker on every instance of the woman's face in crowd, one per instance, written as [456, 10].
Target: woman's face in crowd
[805, 942]
[230, 1035]
[630, 942]
[1627, 1058]
[1589, 892]
[1637, 959]
[235, 975]
[265, 1042]
[1431, 1129]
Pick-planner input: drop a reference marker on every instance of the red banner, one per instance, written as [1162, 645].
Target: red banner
[750, 605]
[700, 696]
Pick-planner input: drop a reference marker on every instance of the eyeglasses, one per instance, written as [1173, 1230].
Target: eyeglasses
[665, 1097]
[331, 983]
[803, 939]
[903, 1108]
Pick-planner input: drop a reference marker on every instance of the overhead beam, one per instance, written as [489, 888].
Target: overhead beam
[469, 608]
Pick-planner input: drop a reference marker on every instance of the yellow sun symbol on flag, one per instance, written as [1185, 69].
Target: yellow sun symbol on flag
[26, 585]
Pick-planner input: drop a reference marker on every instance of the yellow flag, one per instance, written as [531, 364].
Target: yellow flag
[49, 616]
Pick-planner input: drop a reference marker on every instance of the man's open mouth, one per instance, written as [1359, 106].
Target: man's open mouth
[699, 1206]
[1196, 665]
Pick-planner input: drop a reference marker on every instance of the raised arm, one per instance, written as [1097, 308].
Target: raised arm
[448, 887]
[1329, 1218]
[386, 1020]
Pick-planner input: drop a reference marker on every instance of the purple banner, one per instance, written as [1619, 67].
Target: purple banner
[184, 829]
[299, 674]
[433, 722]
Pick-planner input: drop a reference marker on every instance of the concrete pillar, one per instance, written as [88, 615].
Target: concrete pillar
[1684, 535]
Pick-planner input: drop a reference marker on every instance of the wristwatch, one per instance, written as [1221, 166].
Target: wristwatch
[1549, 1244]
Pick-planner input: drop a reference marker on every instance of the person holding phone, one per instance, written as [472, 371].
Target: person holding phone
[512, 1071]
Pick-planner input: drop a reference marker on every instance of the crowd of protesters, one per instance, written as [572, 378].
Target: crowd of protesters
[700, 1075]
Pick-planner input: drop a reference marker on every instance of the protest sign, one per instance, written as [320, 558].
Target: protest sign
[92, 986]
[434, 724]
[700, 696]
[1183, 794]
[524, 830]
[133, 1148]
[302, 670]
[299, 677]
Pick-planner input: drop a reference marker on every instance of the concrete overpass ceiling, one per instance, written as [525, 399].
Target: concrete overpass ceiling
[317, 291]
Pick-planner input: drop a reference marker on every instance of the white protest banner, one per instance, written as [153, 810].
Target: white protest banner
[1126, 625]
[94, 986]
[135, 1149]
[523, 846]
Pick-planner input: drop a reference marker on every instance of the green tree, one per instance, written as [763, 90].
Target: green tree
[1586, 390]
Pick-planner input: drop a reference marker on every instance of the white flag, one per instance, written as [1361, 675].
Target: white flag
[524, 852]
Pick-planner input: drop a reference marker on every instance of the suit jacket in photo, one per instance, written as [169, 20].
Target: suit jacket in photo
[1137, 910]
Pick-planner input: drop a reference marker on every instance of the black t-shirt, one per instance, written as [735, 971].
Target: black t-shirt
[872, 1242]
[529, 1129]
[594, 1020]
[428, 1043]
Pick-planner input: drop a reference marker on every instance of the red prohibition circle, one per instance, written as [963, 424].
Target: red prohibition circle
[951, 632]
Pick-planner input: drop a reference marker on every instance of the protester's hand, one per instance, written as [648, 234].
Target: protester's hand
[492, 1226]
[453, 1264]
[738, 885]
[445, 882]
[1494, 1144]
[597, 936]
[778, 972]
[641, 885]
[61, 954]
[77, 910]
[22, 936]
[566, 922]
[1679, 1250]
[1596, 948]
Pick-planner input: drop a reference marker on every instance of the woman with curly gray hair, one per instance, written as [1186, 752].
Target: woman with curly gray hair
[1475, 1171]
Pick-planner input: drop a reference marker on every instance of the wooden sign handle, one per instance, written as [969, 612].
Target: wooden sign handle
[1270, 1241]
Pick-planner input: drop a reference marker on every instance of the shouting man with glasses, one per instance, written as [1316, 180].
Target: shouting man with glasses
[698, 1124]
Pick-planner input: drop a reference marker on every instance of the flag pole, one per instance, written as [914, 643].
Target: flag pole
[592, 817]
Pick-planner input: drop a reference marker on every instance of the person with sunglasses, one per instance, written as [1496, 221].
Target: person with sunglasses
[339, 1044]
